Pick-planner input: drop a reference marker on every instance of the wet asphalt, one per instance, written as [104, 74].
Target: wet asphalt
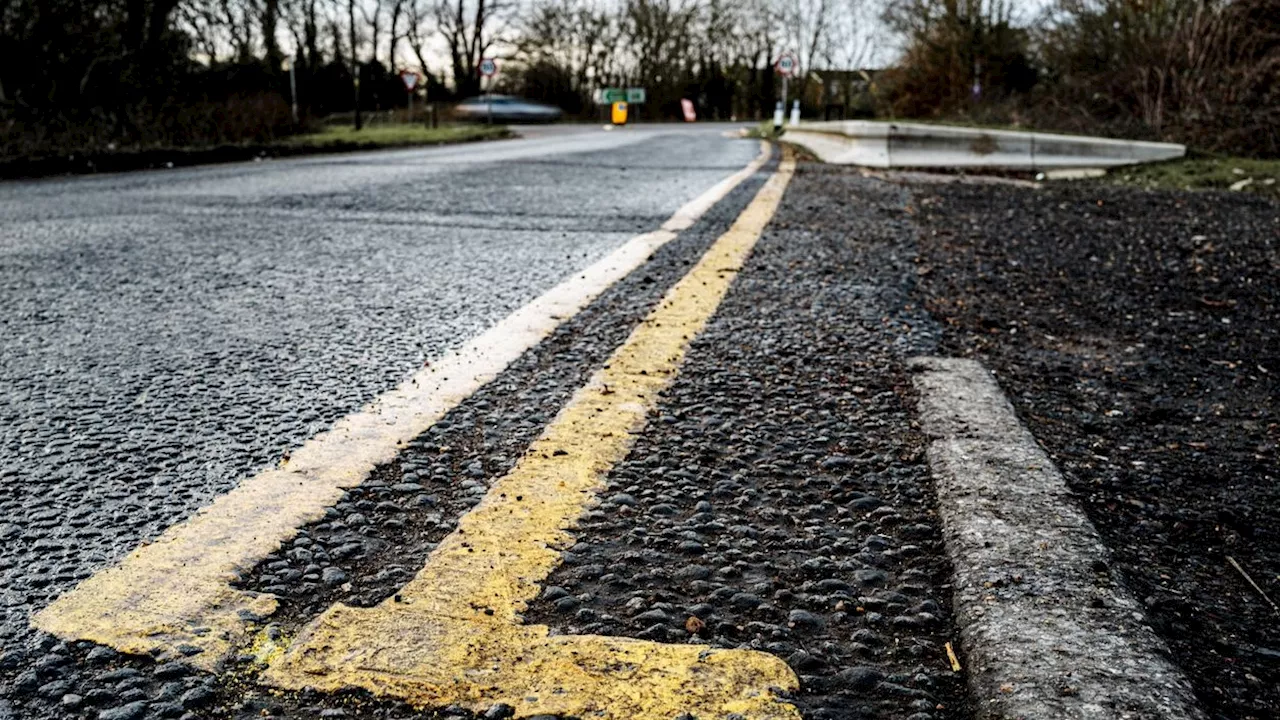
[165, 334]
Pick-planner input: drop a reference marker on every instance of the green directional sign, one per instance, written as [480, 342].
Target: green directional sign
[609, 96]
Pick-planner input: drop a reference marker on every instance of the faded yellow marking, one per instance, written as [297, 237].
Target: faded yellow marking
[176, 590]
[454, 634]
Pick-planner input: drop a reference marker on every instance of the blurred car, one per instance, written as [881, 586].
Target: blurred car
[505, 109]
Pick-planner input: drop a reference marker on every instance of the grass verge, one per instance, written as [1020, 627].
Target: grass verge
[1199, 173]
[763, 131]
[380, 136]
[329, 140]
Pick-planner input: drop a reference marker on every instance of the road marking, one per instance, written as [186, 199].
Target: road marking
[1045, 636]
[173, 596]
[453, 634]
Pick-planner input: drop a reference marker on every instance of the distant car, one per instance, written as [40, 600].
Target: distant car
[505, 109]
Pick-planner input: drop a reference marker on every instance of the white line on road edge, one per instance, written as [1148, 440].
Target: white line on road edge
[173, 597]
[1048, 631]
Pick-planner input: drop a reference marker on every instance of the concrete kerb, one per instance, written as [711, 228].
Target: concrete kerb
[887, 145]
[1048, 632]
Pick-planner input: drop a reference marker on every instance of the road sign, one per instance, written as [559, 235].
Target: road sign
[786, 65]
[609, 96]
[488, 67]
[635, 96]
[410, 79]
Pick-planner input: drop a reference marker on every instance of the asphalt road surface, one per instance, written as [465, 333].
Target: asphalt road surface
[171, 336]
[166, 333]
[626, 424]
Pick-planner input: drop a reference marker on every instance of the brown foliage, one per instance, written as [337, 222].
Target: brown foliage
[1202, 72]
[961, 56]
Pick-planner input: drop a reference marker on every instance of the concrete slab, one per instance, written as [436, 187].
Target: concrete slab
[881, 144]
[1048, 630]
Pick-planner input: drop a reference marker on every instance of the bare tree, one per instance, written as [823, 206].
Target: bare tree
[470, 29]
[855, 34]
[270, 19]
[355, 61]
[201, 22]
[808, 26]
[373, 18]
[397, 12]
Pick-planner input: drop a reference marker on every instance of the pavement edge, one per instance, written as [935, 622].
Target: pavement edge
[1048, 631]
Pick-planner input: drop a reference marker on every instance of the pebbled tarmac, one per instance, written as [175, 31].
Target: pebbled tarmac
[165, 334]
[779, 499]
[1137, 334]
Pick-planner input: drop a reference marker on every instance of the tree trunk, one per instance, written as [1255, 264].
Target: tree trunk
[158, 22]
[270, 19]
[135, 24]
[312, 32]
[396, 10]
[355, 62]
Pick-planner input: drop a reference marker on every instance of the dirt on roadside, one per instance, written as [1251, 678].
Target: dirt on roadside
[1138, 335]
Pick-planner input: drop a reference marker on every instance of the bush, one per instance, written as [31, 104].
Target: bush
[960, 57]
[1201, 72]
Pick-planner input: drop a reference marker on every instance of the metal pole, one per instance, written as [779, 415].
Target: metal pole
[488, 95]
[785, 78]
[293, 94]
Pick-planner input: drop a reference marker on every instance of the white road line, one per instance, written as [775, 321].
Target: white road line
[1049, 632]
[172, 596]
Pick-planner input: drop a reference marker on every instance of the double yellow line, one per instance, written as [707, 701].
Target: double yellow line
[454, 634]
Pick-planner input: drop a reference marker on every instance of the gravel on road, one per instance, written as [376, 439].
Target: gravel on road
[1137, 334]
[779, 500]
[381, 532]
[166, 334]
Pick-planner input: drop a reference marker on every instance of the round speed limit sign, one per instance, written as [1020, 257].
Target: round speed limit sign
[786, 65]
[488, 67]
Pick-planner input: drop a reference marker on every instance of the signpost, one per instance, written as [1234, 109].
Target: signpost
[612, 96]
[488, 68]
[686, 106]
[609, 96]
[293, 90]
[786, 67]
[410, 80]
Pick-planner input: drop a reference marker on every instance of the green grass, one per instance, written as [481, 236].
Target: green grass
[764, 131]
[1196, 173]
[379, 136]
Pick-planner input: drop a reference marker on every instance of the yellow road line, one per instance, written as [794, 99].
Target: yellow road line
[175, 591]
[454, 634]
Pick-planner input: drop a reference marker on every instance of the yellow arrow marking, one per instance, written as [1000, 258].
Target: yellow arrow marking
[454, 633]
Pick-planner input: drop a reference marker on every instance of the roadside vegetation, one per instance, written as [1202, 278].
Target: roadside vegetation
[99, 76]
[343, 137]
[1261, 177]
[1205, 73]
